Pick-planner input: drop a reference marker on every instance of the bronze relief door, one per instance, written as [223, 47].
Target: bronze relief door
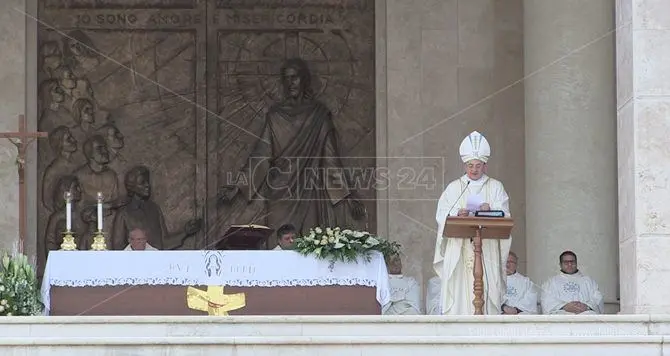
[159, 103]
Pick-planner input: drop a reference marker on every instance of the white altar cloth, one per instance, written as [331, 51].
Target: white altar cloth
[191, 268]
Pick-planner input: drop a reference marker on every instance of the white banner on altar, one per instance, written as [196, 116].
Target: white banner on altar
[192, 268]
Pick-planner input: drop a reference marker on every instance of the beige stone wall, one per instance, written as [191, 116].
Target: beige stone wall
[451, 67]
[643, 107]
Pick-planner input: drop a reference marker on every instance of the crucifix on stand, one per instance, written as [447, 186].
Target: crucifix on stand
[21, 140]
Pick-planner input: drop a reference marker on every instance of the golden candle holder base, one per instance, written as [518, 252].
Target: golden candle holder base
[68, 242]
[99, 242]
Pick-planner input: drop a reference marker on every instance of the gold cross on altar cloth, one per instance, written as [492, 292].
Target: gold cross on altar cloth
[21, 140]
[213, 301]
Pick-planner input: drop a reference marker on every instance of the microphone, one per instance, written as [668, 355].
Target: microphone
[459, 197]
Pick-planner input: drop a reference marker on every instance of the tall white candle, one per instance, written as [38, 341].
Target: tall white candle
[68, 211]
[99, 211]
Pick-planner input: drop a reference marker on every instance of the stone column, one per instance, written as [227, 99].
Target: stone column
[12, 103]
[643, 108]
[571, 185]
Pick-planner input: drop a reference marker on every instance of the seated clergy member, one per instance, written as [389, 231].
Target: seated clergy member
[433, 296]
[571, 292]
[405, 292]
[285, 236]
[521, 296]
[138, 241]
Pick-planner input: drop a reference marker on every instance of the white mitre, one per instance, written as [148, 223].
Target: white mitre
[475, 146]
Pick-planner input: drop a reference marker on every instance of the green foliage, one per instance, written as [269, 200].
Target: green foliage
[343, 245]
[19, 292]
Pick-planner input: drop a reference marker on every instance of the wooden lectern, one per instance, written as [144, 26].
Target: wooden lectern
[478, 228]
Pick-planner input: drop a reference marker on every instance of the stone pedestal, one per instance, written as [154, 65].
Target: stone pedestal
[571, 138]
[643, 108]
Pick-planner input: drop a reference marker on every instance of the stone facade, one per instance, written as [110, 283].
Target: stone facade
[643, 109]
[447, 67]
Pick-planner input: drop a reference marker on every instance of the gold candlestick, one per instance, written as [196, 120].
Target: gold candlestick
[68, 242]
[99, 241]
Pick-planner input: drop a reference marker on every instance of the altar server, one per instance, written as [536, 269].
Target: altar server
[138, 241]
[571, 292]
[285, 237]
[521, 296]
[405, 292]
[433, 296]
[454, 257]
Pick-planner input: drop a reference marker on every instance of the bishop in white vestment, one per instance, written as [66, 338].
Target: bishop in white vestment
[454, 257]
[521, 296]
[571, 292]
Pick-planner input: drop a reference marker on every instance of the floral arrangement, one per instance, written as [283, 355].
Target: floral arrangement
[19, 293]
[343, 245]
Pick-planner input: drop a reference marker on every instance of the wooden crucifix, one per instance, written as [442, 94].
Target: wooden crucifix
[21, 140]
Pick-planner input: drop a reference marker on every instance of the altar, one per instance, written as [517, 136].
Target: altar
[252, 283]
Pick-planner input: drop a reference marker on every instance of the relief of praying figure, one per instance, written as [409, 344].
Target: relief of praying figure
[115, 143]
[54, 105]
[95, 176]
[139, 211]
[62, 143]
[295, 165]
[56, 225]
[85, 117]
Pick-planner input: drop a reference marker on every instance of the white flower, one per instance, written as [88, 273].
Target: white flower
[9, 314]
[371, 241]
[2, 308]
[316, 242]
[324, 242]
[329, 231]
[3, 302]
[331, 239]
[318, 230]
[2, 288]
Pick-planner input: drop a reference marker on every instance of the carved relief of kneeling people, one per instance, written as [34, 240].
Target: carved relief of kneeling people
[139, 210]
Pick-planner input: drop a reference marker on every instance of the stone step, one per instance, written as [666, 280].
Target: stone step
[337, 335]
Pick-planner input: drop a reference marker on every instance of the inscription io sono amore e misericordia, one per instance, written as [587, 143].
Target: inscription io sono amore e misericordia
[187, 18]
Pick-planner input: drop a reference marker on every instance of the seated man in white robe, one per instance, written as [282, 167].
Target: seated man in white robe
[285, 237]
[454, 258]
[521, 296]
[138, 241]
[571, 292]
[433, 296]
[405, 292]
